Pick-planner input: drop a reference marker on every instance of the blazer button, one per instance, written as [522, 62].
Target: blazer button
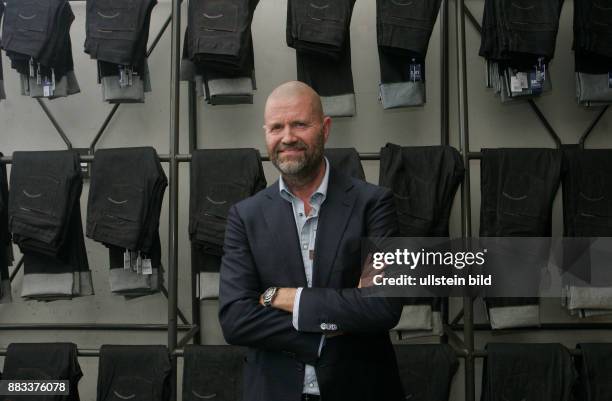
[323, 326]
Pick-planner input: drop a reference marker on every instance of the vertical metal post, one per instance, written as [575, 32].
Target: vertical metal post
[196, 312]
[173, 188]
[444, 71]
[444, 116]
[466, 212]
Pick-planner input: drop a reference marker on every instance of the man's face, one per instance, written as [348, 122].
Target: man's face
[295, 134]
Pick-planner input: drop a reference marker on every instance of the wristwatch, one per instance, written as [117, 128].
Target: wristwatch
[268, 296]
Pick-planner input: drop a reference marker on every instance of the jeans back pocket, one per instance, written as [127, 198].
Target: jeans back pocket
[595, 195]
[522, 195]
[113, 18]
[532, 15]
[31, 15]
[124, 204]
[415, 14]
[38, 195]
[131, 388]
[219, 15]
[415, 204]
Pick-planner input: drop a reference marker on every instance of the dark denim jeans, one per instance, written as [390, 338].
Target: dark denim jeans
[518, 187]
[134, 372]
[319, 31]
[346, 160]
[219, 179]
[527, 372]
[117, 31]
[594, 367]
[125, 198]
[213, 372]
[426, 370]
[424, 181]
[44, 361]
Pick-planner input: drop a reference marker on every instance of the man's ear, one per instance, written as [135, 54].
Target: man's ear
[327, 122]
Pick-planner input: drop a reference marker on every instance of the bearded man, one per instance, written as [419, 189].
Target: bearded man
[292, 265]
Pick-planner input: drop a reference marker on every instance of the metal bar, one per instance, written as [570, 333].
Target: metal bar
[444, 71]
[109, 117]
[175, 92]
[90, 326]
[457, 319]
[59, 129]
[483, 353]
[591, 127]
[543, 326]
[545, 122]
[185, 158]
[448, 331]
[180, 314]
[466, 213]
[16, 270]
[188, 336]
[196, 310]
[472, 19]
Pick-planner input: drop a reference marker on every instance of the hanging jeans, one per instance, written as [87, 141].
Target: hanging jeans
[134, 372]
[320, 33]
[403, 33]
[587, 213]
[45, 220]
[426, 370]
[346, 160]
[219, 179]
[124, 207]
[541, 372]
[43, 361]
[594, 368]
[518, 187]
[424, 181]
[213, 372]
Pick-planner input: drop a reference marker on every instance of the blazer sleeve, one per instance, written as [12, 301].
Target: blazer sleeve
[325, 310]
[243, 320]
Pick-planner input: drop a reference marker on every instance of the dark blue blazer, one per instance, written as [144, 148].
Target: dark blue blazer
[262, 250]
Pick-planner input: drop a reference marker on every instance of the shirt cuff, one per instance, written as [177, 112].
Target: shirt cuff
[296, 308]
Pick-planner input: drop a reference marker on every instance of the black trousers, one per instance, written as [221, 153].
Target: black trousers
[424, 181]
[527, 372]
[594, 366]
[346, 160]
[517, 29]
[319, 31]
[125, 198]
[43, 361]
[219, 179]
[134, 372]
[518, 187]
[213, 371]
[426, 370]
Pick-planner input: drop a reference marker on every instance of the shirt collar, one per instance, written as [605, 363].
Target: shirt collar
[320, 192]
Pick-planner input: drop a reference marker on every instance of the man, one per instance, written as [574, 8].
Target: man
[292, 265]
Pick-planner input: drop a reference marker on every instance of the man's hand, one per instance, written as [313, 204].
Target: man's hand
[283, 300]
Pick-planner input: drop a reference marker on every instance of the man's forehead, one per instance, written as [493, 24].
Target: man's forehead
[289, 107]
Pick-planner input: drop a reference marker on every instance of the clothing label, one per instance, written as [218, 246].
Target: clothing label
[133, 258]
[139, 264]
[515, 85]
[610, 80]
[126, 260]
[535, 84]
[147, 267]
[46, 91]
[524, 78]
[415, 72]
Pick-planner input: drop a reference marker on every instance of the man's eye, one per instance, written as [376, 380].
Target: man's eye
[301, 125]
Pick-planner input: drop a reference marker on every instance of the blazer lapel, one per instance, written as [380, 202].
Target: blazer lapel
[333, 218]
[278, 214]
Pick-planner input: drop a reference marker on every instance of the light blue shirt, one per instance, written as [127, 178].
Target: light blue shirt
[307, 234]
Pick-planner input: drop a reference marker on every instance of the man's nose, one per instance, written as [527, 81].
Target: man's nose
[288, 136]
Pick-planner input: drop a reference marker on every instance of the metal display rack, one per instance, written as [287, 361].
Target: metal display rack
[464, 346]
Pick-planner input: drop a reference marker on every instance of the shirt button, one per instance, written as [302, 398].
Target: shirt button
[305, 246]
[311, 385]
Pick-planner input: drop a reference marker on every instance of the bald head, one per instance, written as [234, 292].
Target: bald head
[295, 93]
